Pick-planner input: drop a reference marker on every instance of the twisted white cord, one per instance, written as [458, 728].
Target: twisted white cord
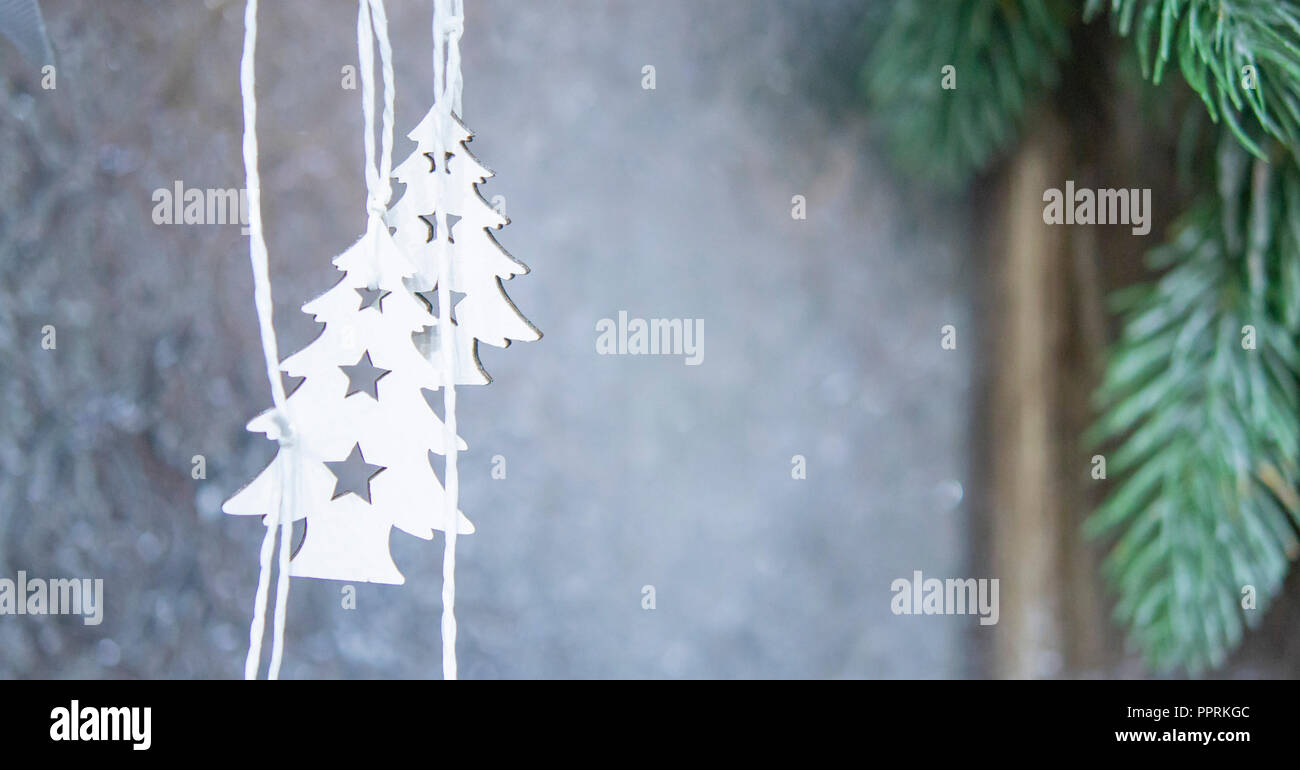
[379, 186]
[257, 628]
[257, 242]
[289, 494]
[448, 23]
[266, 327]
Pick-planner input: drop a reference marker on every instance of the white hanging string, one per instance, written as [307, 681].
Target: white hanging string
[258, 625]
[289, 495]
[287, 457]
[379, 186]
[448, 23]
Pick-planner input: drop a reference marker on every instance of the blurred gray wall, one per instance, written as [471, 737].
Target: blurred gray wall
[821, 339]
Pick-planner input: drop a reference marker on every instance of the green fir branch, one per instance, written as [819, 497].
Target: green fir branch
[1208, 430]
[1213, 42]
[1006, 53]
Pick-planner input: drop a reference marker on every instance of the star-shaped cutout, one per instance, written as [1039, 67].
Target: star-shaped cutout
[364, 376]
[431, 221]
[372, 298]
[433, 164]
[431, 303]
[353, 474]
[290, 383]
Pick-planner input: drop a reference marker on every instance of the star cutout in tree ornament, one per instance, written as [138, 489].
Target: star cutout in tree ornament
[364, 377]
[372, 298]
[430, 299]
[353, 475]
[290, 383]
[431, 221]
[433, 164]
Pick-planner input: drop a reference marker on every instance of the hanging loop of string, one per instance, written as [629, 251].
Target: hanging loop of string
[379, 186]
[288, 458]
[448, 24]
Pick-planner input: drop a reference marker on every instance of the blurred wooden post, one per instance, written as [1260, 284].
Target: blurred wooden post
[1031, 270]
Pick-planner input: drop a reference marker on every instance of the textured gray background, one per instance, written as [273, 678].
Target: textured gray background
[821, 339]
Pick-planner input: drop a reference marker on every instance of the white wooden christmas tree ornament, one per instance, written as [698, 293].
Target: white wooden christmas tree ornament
[442, 224]
[360, 409]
